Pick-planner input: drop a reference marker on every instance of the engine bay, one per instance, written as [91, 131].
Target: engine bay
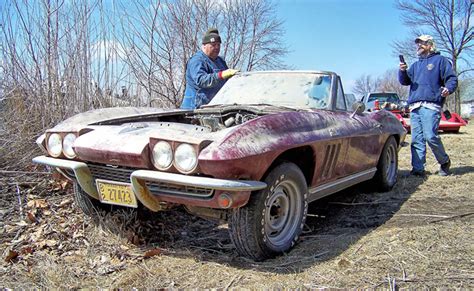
[221, 120]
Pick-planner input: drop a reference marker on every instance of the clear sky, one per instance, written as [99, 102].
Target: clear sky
[349, 37]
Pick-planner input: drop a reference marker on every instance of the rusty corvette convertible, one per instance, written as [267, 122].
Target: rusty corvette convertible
[254, 157]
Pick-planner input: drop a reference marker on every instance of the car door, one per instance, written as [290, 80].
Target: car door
[362, 137]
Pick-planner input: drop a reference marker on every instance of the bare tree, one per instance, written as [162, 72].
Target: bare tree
[365, 84]
[62, 57]
[68, 57]
[253, 35]
[160, 38]
[448, 21]
[389, 83]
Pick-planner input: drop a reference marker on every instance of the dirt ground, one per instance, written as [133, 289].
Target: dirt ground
[420, 234]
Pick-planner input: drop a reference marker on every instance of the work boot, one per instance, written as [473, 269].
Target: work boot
[444, 169]
[421, 174]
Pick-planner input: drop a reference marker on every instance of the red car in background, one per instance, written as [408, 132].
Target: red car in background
[450, 122]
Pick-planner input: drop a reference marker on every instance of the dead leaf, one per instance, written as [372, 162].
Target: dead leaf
[26, 250]
[65, 202]
[51, 242]
[35, 236]
[21, 223]
[65, 183]
[11, 255]
[31, 217]
[37, 203]
[57, 176]
[152, 253]
[47, 243]
[133, 238]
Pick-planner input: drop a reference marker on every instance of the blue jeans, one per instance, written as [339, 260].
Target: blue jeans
[424, 129]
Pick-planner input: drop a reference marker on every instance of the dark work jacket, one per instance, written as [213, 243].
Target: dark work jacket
[426, 77]
[202, 80]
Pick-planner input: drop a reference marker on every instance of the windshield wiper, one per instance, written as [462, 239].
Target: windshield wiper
[250, 104]
[273, 105]
[215, 105]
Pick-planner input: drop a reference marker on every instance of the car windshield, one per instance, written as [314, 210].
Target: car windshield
[288, 89]
[392, 98]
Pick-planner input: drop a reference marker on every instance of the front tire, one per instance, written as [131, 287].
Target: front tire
[86, 203]
[387, 167]
[273, 219]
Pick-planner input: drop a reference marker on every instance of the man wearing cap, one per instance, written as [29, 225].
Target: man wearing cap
[206, 72]
[431, 80]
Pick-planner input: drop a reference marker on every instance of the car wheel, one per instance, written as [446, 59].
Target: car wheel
[273, 219]
[387, 167]
[87, 204]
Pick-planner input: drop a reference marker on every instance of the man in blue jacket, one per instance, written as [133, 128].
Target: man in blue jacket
[206, 72]
[431, 80]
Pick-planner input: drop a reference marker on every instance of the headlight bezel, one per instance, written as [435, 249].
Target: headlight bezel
[154, 160]
[174, 167]
[191, 149]
[62, 135]
[59, 142]
[70, 143]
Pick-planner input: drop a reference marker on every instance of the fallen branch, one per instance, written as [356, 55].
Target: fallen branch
[18, 192]
[452, 217]
[24, 172]
[424, 215]
[236, 278]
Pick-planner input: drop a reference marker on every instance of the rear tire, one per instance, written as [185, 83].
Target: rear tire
[387, 168]
[273, 219]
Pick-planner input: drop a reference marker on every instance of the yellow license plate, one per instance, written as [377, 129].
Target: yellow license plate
[116, 193]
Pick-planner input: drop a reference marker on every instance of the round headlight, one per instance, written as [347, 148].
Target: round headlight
[185, 157]
[55, 145]
[162, 155]
[68, 141]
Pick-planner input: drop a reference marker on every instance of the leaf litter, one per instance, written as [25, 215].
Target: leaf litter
[417, 235]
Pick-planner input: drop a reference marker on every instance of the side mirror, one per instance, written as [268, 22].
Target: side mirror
[318, 80]
[357, 108]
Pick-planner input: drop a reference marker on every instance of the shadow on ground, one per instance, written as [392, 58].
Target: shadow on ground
[462, 170]
[333, 225]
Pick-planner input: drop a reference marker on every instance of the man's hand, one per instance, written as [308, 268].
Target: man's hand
[444, 92]
[403, 66]
[226, 74]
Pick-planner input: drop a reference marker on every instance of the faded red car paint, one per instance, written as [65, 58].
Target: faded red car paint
[267, 144]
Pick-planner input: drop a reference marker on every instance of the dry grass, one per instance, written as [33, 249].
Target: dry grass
[417, 235]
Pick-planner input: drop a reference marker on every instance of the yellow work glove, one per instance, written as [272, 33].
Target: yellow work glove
[226, 74]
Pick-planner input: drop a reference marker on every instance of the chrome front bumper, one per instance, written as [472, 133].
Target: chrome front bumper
[139, 178]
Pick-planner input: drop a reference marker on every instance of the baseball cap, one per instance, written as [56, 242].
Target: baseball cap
[424, 38]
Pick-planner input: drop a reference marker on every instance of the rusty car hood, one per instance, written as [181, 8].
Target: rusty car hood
[80, 120]
[127, 144]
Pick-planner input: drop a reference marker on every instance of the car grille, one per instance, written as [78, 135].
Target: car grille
[123, 175]
[111, 174]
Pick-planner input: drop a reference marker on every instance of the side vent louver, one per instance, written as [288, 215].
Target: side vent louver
[331, 156]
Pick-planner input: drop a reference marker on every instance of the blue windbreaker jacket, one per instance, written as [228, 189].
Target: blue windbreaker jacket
[426, 77]
[202, 80]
